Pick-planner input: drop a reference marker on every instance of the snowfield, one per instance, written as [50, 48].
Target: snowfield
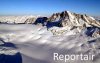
[36, 44]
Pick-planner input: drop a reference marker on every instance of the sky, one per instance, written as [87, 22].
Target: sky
[47, 7]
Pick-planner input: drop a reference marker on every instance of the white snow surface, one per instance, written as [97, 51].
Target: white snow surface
[37, 44]
[16, 19]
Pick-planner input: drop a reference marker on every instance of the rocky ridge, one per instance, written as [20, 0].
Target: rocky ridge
[75, 23]
[60, 23]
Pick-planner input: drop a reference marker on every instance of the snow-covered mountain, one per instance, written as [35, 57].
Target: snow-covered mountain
[65, 18]
[68, 18]
[60, 23]
[18, 19]
[65, 33]
[73, 23]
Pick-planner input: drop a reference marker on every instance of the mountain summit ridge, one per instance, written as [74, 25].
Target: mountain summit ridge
[65, 18]
[74, 23]
[75, 19]
[62, 22]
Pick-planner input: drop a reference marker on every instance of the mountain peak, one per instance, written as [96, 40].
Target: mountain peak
[75, 19]
[70, 21]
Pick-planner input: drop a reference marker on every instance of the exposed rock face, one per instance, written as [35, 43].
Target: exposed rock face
[66, 21]
[71, 21]
[41, 20]
[30, 20]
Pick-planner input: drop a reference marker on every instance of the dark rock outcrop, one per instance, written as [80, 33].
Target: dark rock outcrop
[41, 20]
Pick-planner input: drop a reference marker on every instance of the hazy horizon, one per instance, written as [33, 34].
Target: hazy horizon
[48, 7]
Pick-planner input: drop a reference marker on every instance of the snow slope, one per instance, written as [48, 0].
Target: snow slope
[17, 19]
[64, 33]
[36, 44]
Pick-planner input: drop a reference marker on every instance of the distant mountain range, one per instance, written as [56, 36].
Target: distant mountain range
[97, 18]
[63, 17]
[65, 20]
